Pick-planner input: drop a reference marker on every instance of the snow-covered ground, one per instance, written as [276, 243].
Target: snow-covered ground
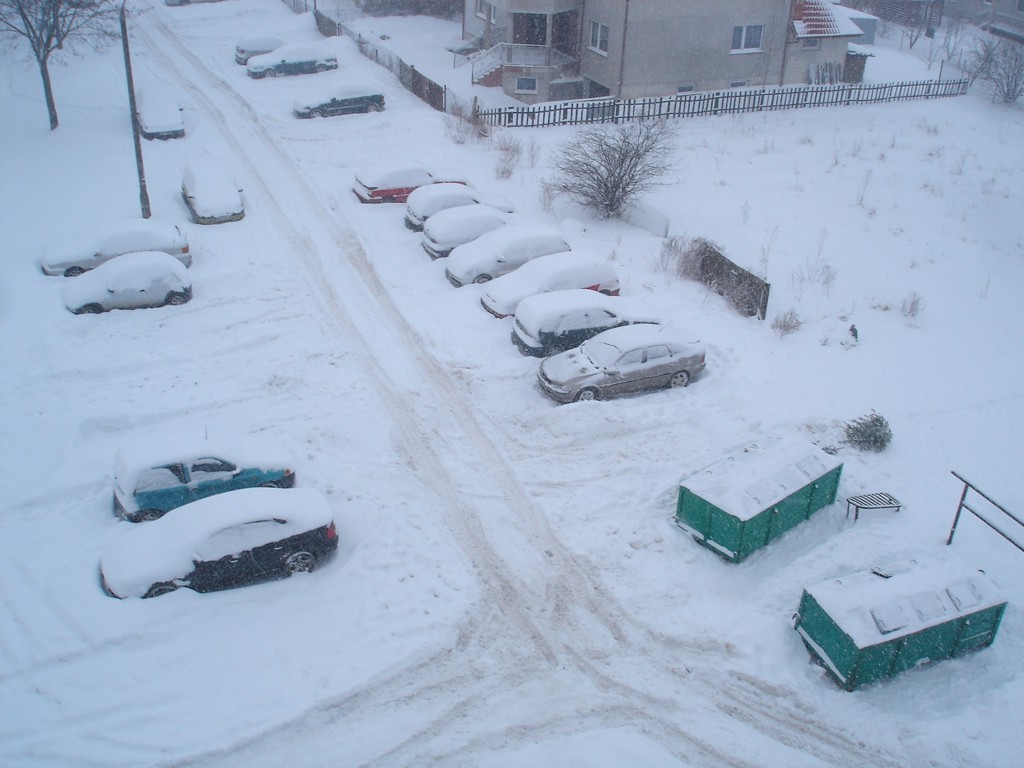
[510, 588]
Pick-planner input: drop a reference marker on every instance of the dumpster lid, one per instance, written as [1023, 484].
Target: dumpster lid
[902, 598]
[760, 475]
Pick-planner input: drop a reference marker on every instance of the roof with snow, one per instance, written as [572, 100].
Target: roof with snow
[817, 18]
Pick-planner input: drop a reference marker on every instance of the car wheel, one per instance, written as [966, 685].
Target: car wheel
[73, 271]
[300, 562]
[270, 73]
[90, 309]
[161, 589]
[318, 113]
[586, 394]
[145, 515]
[320, 68]
[679, 379]
[375, 108]
[175, 297]
[482, 279]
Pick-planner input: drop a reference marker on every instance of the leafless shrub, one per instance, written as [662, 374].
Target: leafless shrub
[977, 62]
[786, 323]
[607, 168]
[461, 125]
[457, 129]
[510, 150]
[911, 306]
[547, 196]
[952, 38]
[684, 256]
[864, 188]
[745, 211]
[532, 153]
[1007, 71]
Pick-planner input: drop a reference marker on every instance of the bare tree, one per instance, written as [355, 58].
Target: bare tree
[50, 25]
[606, 169]
[1007, 71]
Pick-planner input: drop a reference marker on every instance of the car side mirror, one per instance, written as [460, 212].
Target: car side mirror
[612, 371]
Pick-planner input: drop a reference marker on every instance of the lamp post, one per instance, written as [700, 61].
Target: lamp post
[143, 193]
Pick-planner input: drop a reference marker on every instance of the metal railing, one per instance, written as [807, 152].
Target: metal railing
[518, 55]
[992, 511]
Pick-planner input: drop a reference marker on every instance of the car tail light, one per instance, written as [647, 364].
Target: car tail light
[332, 532]
[184, 248]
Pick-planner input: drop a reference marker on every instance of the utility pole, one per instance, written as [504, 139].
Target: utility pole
[143, 193]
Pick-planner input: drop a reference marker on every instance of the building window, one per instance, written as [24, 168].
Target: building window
[811, 43]
[1020, 5]
[738, 84]
[494, 14]
[747, 38]
[684, 88]
[526, 85]
[598, 37]
[481, 9]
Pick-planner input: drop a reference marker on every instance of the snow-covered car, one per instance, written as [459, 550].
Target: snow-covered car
[294, 59]
[255, 45]
[158, 114]
[434, 198]
[500, 251]
[153, 477]
[130, 281]
[231, 540]
[210, 193]
[453, 227]
[187, 2]
[83, 251]
[554, 272]
[345, 99]
[395, 184]
[620, 361]
[547, 323]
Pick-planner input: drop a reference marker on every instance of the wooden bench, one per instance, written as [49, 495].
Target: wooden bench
[871, 501]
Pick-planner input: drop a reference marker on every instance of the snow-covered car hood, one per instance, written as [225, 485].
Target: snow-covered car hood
[568, 367]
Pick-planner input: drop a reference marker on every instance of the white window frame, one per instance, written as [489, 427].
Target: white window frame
[494, 14]
[481, 9]
[596, 29]
[519, 87]
[745, 33]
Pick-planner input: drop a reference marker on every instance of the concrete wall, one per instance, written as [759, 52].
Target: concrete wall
[682, 43]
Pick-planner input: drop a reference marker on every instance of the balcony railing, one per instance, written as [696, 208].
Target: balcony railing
[511, 55]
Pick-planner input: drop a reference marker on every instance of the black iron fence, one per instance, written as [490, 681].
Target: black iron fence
[611, 110]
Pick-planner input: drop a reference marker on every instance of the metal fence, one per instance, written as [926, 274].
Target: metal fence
[611, 110]
[434, 94]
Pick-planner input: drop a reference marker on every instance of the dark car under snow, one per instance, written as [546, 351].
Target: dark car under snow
[231, 540]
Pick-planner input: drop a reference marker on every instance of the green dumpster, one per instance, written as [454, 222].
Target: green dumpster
[747, 500]
[877, 623]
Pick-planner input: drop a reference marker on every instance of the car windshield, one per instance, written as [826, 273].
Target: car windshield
[601, 354]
